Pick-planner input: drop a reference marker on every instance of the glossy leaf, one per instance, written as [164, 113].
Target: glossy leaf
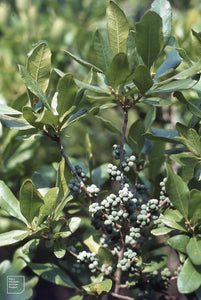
[82, 62]
[149, 37]
[172, 61]
[33, 86]
[189, 279]
[118, 28]
[195, 207]
[100, 175]
[31, 117]
[102, 51]
[49, 205]
[15, 123]
[118, 70]
[177, 191]
[52, 273]
[194, 250]
[192, 107]
[179, 242]
[192, 141]
[155, 263]
[67, 90]
[93, 88]
[39, 64]
[12, 237]
[7, 110]
[175, 85]
[163, 8]
[9, 203]
[109, 125]
[74, 224]
[163, 135]
[156, 101]
[30, 200]
[103, 286]
[142, 78]
[59, 248]
[105, 256]
[150, 117]
[65, 199]
[48, 118]
[91, 244]
[173, 219]
[136, 136]
[161, 231]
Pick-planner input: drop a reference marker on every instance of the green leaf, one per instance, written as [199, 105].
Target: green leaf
[59, 248]
[142, 78]
[118, 28]
[163, 8]
[150, 117]
[156, 101]
[47, 117]
[161, 231]
[7, 110]
[104, 286]
[195, 207]
[30, 200]
[179, 242]
[175, 85]
[171, 62]
[163, 135]
[31, 117]
[39, 64]
[9, 203]
[12, 237]
[173, 219]
[63, 176]
[155, 263]
[105, 256]
[109, 125]
[192, 141]
[77, 297]
[15, 123]
[100, 175]
[136, 136]
[34, 86]
[102, 51]
[52, 273]
[177, 191]
[194, 250]
[118, 70]
[67, 90]
[149, 37]
[189, 279]
[50, 200]
[91, 244]
[192, 108]
[81, 62]
[93, 88]
[74, 223]
[65, 199]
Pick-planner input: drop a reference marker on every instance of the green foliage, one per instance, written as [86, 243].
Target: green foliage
[99, 220]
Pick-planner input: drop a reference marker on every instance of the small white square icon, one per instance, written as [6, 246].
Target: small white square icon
[15, 284]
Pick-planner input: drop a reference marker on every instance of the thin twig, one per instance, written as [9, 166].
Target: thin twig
[122, 145]
[121, 296]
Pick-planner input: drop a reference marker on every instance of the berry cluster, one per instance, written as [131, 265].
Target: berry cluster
[106, 269]
[128, 260]
[89, 258]
[114, 173]
[74, 185]
[165, 273]
[163, 196]
[93, 190]
[128, 160]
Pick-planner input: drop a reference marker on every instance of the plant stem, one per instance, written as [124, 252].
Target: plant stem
[122, 145]
[82, 185]
[121, 296]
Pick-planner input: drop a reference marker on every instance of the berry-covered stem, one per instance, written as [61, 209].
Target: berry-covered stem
[82, 185]
[122, 144]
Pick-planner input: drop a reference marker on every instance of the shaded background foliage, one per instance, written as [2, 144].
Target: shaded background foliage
[69, 25]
